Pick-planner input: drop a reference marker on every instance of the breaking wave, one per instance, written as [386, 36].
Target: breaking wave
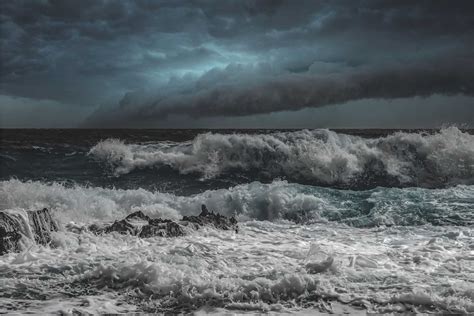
[275, 201]
[270, 265]
[300, 248]
[319, 157]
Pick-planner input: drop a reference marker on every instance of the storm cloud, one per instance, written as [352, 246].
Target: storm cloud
[133, 62]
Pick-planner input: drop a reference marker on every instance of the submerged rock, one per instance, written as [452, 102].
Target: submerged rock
[210, 218]
[161, 228]
[139, 224]
[139, 215]
[123, 226]
[9, 233]
[42, 225]
[34, 225]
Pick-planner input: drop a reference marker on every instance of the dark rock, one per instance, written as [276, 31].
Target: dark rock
[163, 229]
[158, 221]
[131, 225]
[153, 227]
[13, 226]
[9, 233]
[214, 219]
[42, 225]
[123, 227]
[204, 211]
[94, 228]
[139, 215]
[139, 224]
[9, 242]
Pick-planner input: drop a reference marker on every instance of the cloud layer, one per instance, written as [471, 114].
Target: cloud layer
[231, 58]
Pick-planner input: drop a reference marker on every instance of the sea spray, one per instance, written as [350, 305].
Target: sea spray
[310, 156]
[279, 200]
[321, 223]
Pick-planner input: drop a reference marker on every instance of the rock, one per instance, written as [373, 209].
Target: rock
[204, 211]
[162, 229]
[42, 225]
[139, 224]
[9, 233]
[139, 215]
[210, 218]
[34, 225]
[123, 226]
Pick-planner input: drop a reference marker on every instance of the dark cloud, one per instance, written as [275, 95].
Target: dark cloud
[240, 92]
[242, 57]
[297, 91]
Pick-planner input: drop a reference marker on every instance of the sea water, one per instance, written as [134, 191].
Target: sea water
[366, 221]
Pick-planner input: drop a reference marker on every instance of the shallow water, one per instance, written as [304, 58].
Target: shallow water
[266, 267]
[357, 246]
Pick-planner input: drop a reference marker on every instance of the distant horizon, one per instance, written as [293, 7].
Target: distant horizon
[239, 128]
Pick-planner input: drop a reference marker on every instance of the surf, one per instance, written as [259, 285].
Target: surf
[276, 201]
[317, 157]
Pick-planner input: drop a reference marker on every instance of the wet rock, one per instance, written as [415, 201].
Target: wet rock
[9, 233]
[93, 228]
[139, 215]
[42, 225]
[213, 219]
[123, 227]
[139, 224]
[162, 228]
[34, 225]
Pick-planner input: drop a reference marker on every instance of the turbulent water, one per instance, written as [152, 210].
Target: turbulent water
[378, 221]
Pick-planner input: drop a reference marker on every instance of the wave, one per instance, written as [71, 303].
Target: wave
[270, 265]
[319, 157]
[275, 201]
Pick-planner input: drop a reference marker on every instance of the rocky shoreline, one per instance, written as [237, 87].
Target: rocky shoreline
[141, 225]
[37, 226]
[34, 225]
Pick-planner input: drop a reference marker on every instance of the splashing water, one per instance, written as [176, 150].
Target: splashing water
[319, 157]
[328, 223]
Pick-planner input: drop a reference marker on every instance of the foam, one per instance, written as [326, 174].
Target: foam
[275, 201]
[270, 265]
[318, 156]
[263, 268]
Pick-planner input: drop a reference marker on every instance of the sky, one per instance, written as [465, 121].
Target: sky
[237, 64]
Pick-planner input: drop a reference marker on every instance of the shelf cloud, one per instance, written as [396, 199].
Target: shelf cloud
[133, 62]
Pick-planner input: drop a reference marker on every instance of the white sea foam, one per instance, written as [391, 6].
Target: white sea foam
[250, 201]
[274, 201]
[267, 266]
[322, 156]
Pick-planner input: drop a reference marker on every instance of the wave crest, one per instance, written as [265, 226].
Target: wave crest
[317, 157]
[254, 201]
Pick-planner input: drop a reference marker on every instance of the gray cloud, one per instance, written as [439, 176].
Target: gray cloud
[208, 58]
[236, 92]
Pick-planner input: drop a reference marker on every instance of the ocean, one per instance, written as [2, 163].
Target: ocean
[335, 221]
